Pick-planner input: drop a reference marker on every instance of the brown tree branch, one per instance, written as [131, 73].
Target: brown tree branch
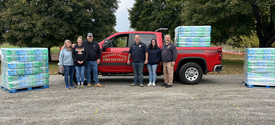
[270, 41]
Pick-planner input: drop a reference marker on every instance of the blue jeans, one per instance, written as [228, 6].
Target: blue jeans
[69, 70]
[92, 66]
[79, 73]
[152, 72]
[138, 72]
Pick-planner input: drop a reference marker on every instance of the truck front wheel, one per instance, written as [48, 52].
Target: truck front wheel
[190, 73]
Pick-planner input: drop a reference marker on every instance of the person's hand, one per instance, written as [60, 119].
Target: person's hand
[128, 62]
[78, 62]
[97, 61]
[73, 45]
[146, 62]
[160, 63]
[61, 67]
[173, 63]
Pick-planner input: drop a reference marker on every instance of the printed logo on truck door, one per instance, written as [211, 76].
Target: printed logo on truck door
[115, 57]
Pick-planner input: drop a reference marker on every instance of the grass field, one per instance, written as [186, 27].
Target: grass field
[230, 67]
[230, 56]
[228, 47]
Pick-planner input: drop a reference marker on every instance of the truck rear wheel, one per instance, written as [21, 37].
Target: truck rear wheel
[190, 73]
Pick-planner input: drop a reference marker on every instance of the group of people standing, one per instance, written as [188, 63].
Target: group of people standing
[86, 55]
[152, 56]
[83, 55]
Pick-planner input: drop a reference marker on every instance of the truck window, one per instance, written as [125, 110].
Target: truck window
[119, 41]
[146, 38]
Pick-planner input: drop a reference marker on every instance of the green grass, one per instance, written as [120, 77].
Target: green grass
[230, 67]
[53, 68]
[228, 47]
[230, 56]
[6, 45]
[55, 50]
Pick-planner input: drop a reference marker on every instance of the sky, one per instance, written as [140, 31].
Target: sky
[122, 21]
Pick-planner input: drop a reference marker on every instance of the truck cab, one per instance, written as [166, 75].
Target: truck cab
[115, 50]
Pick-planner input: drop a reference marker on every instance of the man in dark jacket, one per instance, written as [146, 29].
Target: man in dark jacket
[93, 60]
[139, 52]
[168, 56]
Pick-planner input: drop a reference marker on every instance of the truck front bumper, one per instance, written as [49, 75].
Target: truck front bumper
[218, 68]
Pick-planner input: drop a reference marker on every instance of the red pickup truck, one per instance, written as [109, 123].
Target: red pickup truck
[191, 63]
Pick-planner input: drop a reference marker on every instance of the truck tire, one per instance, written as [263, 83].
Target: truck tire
[190, 73]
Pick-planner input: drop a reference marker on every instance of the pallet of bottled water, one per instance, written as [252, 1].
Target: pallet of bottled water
[193, 36]
[24, 69]
[259, 67]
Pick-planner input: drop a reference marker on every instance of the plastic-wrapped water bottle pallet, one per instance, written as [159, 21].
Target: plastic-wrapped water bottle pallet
[259, 86]
[25, 89]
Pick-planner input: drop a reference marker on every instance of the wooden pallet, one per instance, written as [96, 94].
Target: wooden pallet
[25, 89]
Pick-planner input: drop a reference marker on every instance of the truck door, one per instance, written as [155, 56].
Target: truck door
[114, 58]
[146, 39]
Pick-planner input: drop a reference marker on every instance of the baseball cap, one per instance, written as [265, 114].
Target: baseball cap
[90, 34]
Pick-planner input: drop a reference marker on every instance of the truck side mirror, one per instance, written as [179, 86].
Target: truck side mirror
[106, 44]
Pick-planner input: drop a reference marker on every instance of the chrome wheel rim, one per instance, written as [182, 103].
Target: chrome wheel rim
[191, 74]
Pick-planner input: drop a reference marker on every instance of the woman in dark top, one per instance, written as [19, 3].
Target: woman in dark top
[80, 55]
[154, 54]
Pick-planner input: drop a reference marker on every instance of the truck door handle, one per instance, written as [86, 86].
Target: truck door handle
[125, 51]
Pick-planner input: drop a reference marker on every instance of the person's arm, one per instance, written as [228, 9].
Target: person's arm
[61, 58]
[86, 54]
[146, 58]
[146, 54]
[98, 54]
[174, 54]
[129, 56]
[159, 54]
[74, 57]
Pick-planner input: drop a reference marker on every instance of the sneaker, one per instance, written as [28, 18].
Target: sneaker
[78, 86]
[67, 87]
[154, 84]
[164, 84]
[97, 85]
[82, 86]
[141, 85]
[133, 84]
[149, 84]
[168, 86]
[72, 86]
[89, 85]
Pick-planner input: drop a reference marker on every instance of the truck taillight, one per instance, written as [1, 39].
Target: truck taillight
[220, 56]
[220, 51]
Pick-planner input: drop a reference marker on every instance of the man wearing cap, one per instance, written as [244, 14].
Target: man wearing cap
[93, 60]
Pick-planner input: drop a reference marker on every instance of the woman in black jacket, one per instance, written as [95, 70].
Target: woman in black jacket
[80, 55]
[154, 54]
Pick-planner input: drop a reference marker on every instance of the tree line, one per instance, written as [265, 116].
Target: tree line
[47, 23]
[230, 19]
